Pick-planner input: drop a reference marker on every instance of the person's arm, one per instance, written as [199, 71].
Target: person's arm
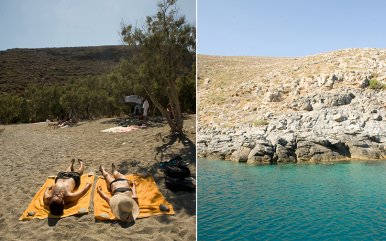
[47, 195]
[103, 195]
[135, 197]
[78, 194]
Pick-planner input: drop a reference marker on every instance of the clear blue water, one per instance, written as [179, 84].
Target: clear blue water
[345, 201]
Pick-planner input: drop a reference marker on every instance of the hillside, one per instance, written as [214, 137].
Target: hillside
[328, 106]
[20, 67]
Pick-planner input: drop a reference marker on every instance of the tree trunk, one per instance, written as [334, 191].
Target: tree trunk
[175, 107]
[176, 125]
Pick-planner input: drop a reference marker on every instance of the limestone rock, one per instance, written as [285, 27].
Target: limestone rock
[339, 117]
[307, 106]
[364, 83]
[261, 153]
[319, 108]
[241, 155]
[274, 96]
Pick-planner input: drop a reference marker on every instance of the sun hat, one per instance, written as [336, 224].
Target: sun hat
[124, 207]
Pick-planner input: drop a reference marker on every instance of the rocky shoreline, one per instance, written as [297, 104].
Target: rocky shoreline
[324, 124]
[347, 124]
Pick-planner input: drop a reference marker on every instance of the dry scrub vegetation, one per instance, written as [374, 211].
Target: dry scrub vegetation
[241, 90]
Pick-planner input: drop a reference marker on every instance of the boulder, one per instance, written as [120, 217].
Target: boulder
[339, 117]
[274, 96]
[261, 153]
[364, 83]
[241, 154]
[307, 106]
[285, 154]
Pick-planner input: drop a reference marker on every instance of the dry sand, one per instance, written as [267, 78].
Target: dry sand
[31, 152]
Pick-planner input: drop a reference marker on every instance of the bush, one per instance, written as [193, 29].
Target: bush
[13, 109]
[260, 123]
[83, 98]
[376, 85]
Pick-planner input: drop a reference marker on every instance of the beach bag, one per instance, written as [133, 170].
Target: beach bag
[177, 175]
[177, 171]
[187, 184]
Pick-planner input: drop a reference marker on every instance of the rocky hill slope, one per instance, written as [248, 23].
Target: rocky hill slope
[21, 67]
[325, 107]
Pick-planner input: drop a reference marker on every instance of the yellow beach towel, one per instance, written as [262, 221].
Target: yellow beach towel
[149, 198]
[36, 208]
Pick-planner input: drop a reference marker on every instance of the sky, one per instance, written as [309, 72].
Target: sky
[288, 28]
[69, 23]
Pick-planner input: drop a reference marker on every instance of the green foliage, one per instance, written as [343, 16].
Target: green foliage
[187, 94]
[162, 66]
[84, 98]
[260, 123]
[376, 85]
[11, 109]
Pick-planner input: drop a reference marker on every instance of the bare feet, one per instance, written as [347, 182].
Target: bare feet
[101, 169]
[99, 189]
[112, 167]
[79, 161]
[72, 165]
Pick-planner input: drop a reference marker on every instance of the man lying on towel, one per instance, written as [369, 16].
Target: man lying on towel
[61, 193]
[124, 200]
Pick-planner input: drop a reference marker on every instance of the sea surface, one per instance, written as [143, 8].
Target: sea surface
[342, 201]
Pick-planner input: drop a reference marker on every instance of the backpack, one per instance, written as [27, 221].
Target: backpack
[177, 171]
[177, 175]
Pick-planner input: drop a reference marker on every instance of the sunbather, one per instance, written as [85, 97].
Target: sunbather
[124, 200]
[61, 193]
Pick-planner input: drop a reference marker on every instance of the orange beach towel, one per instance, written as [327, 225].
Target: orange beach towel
[36, 208]
[149, 198]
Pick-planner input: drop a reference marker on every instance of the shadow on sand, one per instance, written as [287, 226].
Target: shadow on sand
[129, 121]
[187, 153]
[182, 201]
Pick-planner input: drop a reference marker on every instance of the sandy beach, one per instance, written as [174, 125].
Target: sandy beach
[29, 153]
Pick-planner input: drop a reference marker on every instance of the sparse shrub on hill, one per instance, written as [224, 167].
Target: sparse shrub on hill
[260, 123]
[376, 85]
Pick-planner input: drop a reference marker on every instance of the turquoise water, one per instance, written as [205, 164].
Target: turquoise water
[345, 201]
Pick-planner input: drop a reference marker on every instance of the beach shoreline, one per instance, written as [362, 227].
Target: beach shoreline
[350, 160]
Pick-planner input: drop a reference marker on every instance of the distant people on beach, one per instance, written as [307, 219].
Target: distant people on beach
[137, 110]
[145, 107]
[57, 196]
[124, 201]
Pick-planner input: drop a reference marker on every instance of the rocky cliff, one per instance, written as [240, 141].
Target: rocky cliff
[324, 107]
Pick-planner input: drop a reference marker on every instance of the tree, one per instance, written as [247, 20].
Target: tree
[165, 52]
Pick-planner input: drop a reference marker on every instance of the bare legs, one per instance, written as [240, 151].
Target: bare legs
[71, 167]
[117, 174]
[111, 177]
[108, 177]
[81, 168]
